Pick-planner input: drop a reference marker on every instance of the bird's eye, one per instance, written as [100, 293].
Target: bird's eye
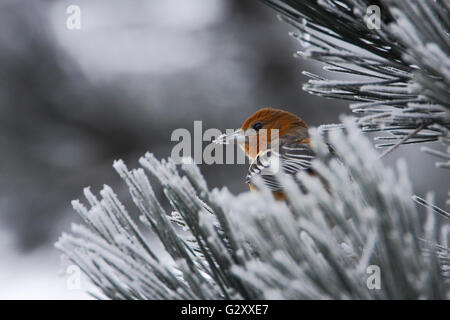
[257, 126]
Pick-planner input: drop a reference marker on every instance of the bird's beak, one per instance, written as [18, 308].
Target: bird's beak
[237, 136]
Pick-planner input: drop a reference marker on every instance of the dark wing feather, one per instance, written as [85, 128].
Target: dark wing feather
[291, 158]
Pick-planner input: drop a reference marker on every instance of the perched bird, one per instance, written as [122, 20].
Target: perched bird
[285, 146]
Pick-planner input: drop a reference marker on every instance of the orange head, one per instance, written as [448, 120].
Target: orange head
[257, 131]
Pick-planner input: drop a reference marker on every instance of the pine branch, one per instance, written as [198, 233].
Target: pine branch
[402, 70]
[252, 246]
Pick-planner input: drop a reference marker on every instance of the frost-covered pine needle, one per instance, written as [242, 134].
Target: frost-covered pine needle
[401, 70]
[320, 245]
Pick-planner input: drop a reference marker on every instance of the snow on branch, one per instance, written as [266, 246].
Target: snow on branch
[401, 64]
[321, 245]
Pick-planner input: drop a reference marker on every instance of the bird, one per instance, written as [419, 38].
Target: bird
[288, 148]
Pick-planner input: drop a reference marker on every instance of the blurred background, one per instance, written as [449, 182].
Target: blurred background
[72, 101]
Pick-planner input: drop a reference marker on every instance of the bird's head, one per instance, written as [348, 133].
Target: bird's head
[257, 131]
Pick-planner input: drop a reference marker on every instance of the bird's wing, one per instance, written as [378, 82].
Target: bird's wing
[290, 158]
